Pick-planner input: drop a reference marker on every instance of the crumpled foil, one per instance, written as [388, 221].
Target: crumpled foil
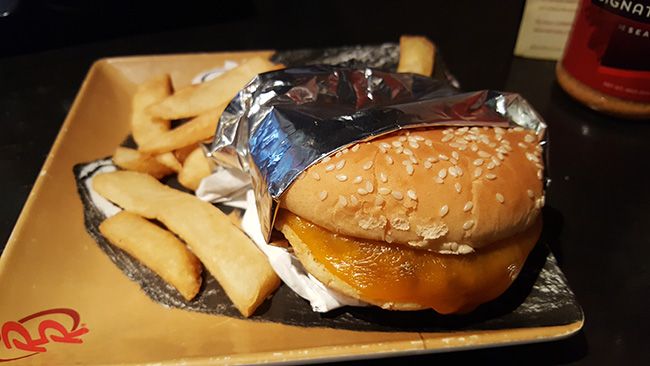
[284, 121]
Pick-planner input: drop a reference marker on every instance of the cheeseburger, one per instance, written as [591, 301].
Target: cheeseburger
[440, 218]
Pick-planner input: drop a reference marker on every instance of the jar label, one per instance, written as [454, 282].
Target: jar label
[609, 48]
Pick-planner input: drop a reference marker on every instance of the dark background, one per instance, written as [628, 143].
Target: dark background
[598, 207]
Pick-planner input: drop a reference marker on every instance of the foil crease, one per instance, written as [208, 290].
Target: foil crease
[284, 121]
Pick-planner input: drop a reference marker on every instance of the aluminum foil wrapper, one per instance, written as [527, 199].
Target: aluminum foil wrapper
[284, 121]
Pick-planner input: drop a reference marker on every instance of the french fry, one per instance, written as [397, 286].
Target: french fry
[157, 249]
[170, 160]
[183, 152]
[131, 159]
[226, 252]
[417, 55]
[195, 168]
[189, 133]
[196, 99]
[145, 127]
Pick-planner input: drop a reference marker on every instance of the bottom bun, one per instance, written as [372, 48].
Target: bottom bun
[397, 277]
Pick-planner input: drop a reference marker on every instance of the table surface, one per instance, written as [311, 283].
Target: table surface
[597, 208]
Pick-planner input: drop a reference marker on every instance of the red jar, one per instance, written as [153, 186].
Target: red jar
[606, 62]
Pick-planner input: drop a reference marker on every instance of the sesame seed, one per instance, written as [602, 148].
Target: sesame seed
[428, 142]
[500, 156]
[414, 144]
[496, 161]
[438, 180]
[506, 146]
[473, 147]
[462, 130]
[490, 176]
[455, 155]
[468, 206]
[338, 154]
[499, 130]
[444, 210]
[330, 167]
[483, 154]
[355, 148]
[342, 177]
[478, 162]
[409, 169]
[468, 224]
[323, 195]
[413, 160]
[443, 157]
[399, 150]
[500, 197]
[389, 159]
[402, 138]
[452, 172]
[384, 190]
[453, 161]
[518, 129]
[442, 173]
[342, 201]
[454, 145]
[383, 177]
[353, 199]
[396, 143]
[340, 164]
[540, 174]
[522, 145]
[492, 144]
[385, 145]
[477, 172]
[346, 150]
[397, 195]
[491, 165]
[327, 159]
[316, 176]
[458, 187]
[418, 138]
[408, 152]
[530, 193]
[362, 191]
[379, 200]
[411, 194]
[427, 164]
[462, 147]
[447, 138]
[301, 176]
[369, 187]
[532, 157]
[358, 179]
[459, 171]
[367, 165]
[432, 159]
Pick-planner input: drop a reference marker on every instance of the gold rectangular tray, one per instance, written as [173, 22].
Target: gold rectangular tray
[55, 278]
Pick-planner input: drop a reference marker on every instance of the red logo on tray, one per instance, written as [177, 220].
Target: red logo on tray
[29, 335]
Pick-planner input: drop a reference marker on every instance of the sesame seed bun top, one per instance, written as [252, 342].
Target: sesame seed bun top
[448, 190]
